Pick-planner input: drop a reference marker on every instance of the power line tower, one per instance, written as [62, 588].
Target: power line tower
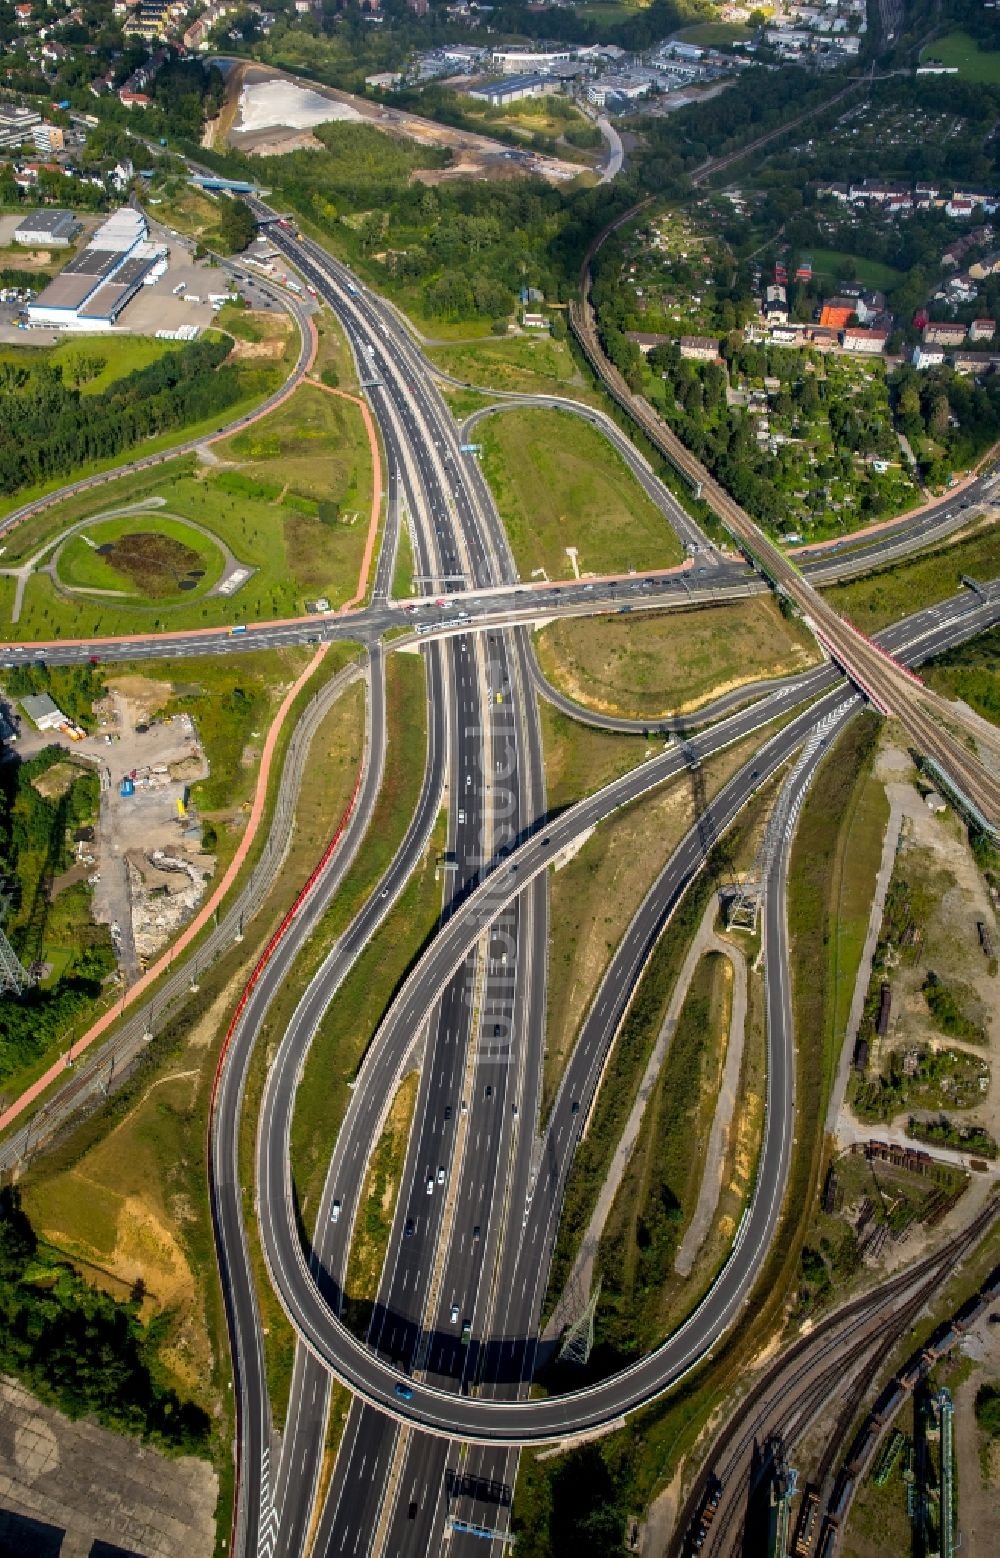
[14, 977]
[579, 1339]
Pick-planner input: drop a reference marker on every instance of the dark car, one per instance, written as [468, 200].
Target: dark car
[408, 1229]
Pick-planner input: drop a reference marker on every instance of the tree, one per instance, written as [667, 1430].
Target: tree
[237, 226]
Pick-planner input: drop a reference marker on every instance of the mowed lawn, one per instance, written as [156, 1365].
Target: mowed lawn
[958, 49]
[671, 662]
[558, 484]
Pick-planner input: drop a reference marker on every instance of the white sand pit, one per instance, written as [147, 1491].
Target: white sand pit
[270, 105]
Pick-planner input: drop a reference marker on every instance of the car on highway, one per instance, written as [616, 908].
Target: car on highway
[430, 1184]
[488, 1089]
[447, 1111]
[476, 1232]
[335, 1212]
[404, 1392]
[575, 1107]
[454, 1314]
[466, 1332]
[408, 1228]
[441, 1174]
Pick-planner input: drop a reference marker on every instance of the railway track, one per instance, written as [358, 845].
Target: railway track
[853, 1343]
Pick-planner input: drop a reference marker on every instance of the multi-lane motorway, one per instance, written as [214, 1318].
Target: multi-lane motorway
[447, 1357]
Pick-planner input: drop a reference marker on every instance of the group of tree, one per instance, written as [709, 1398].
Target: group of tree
[35, 830]
[80, 1349]
[49, 427]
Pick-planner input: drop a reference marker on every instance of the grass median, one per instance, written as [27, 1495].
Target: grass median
[649, 667]
[376, 1209]
[594, 896]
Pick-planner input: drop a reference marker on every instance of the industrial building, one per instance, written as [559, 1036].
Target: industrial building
[512, 89]
[90, 292]
[47, 229]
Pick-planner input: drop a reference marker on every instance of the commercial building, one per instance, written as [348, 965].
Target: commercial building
[90, 292]
[515, 61]
[512, 89]
[48, 138]
[16, 125]
[43, 713]
[47, 230]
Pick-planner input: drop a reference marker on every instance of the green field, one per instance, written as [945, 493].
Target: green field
[958, 49]
[261, 371]
[666, 663]
[836, 265]
[558, 484]
[151, 557]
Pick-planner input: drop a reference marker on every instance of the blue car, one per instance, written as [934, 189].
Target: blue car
[404, 1392]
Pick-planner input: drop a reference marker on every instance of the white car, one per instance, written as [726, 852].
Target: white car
[335, 1212]
[454, 1314]
[441, 1176]
[430, 1184]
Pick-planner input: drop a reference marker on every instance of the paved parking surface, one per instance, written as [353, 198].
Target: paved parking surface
[72, 1489]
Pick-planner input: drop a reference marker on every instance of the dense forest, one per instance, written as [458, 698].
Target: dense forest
[79, 1348]
[50, 428]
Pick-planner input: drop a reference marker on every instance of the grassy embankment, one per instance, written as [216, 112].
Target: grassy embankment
[659, 1189]
[125, 1194]
[661, 664]
[970, 672]
[265, 348]
[880, 598]
[534, 364]
[291, 499]
[559, 484]
[558, 1501]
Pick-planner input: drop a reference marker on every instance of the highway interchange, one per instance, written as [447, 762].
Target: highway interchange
[481, 1195]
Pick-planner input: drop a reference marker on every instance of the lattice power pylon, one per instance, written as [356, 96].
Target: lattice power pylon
[14, 977]
[579, 1339]
[745, 906]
